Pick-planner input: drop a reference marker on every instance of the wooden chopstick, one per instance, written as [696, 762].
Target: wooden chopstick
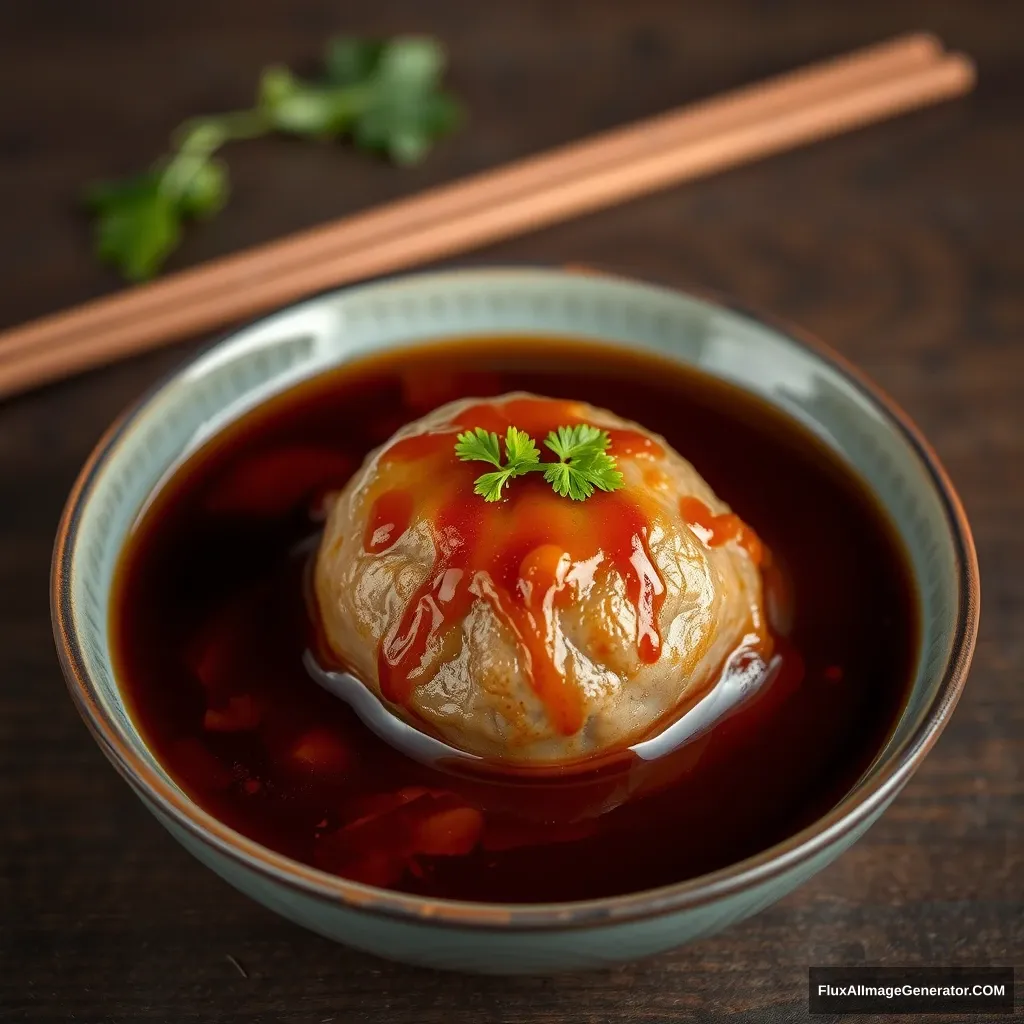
[792, 109]
[824, 79]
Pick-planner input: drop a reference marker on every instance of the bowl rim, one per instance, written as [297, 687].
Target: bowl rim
[856, 808]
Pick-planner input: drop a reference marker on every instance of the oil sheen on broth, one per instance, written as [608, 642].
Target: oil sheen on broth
[211, 613]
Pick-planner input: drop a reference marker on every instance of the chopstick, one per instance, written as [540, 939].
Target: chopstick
[749, 123]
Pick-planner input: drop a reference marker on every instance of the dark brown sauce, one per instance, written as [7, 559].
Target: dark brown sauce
[210, 626]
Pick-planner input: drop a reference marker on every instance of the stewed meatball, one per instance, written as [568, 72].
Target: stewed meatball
[535, 628]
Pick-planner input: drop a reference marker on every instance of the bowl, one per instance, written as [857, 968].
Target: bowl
[799, 377]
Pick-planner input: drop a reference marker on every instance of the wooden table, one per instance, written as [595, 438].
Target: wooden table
[902, 245]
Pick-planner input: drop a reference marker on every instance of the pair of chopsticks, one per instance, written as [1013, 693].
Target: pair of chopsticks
[778, 114]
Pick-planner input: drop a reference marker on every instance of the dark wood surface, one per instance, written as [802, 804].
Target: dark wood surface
[902, 245]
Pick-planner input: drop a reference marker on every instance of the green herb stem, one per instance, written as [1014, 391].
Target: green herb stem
[384, 95]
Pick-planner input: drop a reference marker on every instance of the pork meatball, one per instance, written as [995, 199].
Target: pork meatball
[535, 628]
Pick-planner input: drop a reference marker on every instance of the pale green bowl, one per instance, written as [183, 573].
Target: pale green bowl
[808, 383]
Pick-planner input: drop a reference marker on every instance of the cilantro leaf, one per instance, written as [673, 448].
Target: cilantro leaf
[584, 463]
[138, 221]
[570, 442]
[351, 59]
[404, 127]
[587, 470]
[561, 478]
[406, 110]
[478, 445]
[136, 226]
[410, 63]
[583, 466]
[520, 450]
[385, 95]
[490, 485]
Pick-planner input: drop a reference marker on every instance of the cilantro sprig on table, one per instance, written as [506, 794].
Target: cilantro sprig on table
[385, 96]
[583, 465]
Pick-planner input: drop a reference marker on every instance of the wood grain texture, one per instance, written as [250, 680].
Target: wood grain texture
[902, 245]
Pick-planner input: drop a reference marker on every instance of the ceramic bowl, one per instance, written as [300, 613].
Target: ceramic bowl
[258, 361]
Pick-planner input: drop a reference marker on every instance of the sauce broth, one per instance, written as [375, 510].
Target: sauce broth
[210, 623]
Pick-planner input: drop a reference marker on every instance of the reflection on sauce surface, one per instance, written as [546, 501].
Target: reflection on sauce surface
[210, 626]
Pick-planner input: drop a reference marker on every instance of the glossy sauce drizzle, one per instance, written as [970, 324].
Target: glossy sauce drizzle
[716, 530]
[528, 555]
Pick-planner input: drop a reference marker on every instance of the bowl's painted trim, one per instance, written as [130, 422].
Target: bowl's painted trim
[865, 800]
